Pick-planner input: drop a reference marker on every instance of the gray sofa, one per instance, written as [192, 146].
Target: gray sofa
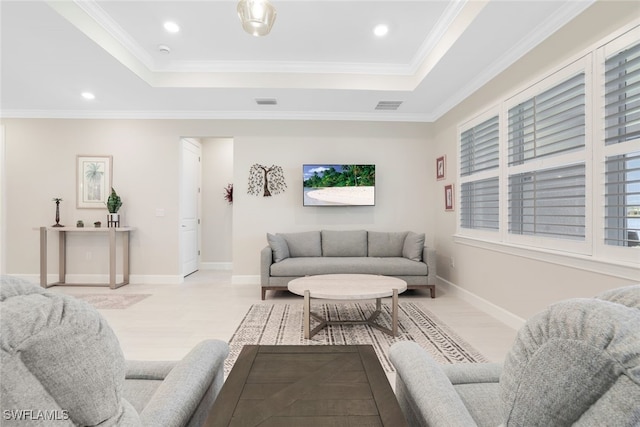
[576, 363]
[398, 254]
[61, 361]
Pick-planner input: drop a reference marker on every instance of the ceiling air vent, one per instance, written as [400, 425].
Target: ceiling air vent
[266, 101]
[388, 105]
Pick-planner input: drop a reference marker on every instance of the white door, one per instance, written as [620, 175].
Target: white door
[190, 206]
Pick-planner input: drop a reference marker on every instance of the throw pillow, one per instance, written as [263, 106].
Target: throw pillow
[413, 245]
[278, 247]
[304, 244]
[383, 244]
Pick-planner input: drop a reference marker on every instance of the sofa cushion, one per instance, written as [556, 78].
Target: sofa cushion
[279, 247]
[344, 243]
[383, 244]
[577, 361]
[304, 244]
[413, 245]
[391, 266]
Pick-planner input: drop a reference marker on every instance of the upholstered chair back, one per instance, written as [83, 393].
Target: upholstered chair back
[59, 359]
[576, 363]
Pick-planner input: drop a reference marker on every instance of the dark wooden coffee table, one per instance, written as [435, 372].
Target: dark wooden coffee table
[341, 385]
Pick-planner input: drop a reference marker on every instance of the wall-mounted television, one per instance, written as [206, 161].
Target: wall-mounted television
[339, 185]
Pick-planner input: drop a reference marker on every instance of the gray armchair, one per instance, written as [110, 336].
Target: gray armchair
[61, 361]
[576, 363]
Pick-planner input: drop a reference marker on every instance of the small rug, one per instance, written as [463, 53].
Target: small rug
[281, 324]
[112, 301]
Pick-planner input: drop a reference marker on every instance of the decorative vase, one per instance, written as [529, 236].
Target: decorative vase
[80, 224]
[113, 220]
[97, 224]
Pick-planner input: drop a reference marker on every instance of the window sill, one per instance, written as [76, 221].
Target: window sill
[623, 270]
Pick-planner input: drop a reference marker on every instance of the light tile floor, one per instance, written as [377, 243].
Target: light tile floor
[167, 324]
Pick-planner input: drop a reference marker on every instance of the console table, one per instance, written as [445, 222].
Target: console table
[62, 253]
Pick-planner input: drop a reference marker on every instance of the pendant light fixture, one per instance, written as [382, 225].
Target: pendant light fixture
[257, 16]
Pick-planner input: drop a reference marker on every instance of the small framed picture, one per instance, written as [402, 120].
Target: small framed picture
[93, 181]
[449, 197]
[440, 165]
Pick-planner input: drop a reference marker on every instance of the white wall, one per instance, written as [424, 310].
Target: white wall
[503, 280]
[40, 165]
[403, 194]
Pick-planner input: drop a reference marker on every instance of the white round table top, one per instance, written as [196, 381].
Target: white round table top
[347, 286]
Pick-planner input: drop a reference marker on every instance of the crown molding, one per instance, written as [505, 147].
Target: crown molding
[102, 18]
[439, 30]
[378, 116]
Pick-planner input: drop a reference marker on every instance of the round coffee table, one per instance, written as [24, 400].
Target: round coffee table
[348, 287]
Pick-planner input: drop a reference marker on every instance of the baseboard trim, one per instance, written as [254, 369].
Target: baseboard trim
[101, 279]
[239, 279]
[149, 279]
[216, 266]
[482, 304]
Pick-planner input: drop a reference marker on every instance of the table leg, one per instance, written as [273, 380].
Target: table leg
[394, 313]
[307, 314]
[112, 258]
[62, 260]
[43, 257]
[125, 258]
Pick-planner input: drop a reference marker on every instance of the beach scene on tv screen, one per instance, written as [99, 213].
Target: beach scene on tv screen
[339, 185]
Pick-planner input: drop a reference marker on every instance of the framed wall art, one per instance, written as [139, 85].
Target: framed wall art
[93, 181]
[440, 168]
[449, 197]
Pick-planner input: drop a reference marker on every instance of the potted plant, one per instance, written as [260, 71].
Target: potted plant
[113, 205]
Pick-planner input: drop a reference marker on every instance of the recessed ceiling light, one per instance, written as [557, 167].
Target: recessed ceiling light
[164, 49]
[381, 30]
[88, 95]
[172, 27]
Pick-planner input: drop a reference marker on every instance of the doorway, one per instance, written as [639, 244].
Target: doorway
[206, 216]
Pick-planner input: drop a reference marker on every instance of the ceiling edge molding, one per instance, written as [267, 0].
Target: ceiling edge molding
[464, 17]
[216, 115]
[91, 8]
[533, 39]
[434, 37]
[85, 23]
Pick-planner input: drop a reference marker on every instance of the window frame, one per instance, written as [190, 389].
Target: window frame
[602, 151]
[479, 176]
[592, 254]
[581, 65]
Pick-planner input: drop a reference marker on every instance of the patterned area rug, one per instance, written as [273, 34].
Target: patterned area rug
[112, 301]
[281, 324]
